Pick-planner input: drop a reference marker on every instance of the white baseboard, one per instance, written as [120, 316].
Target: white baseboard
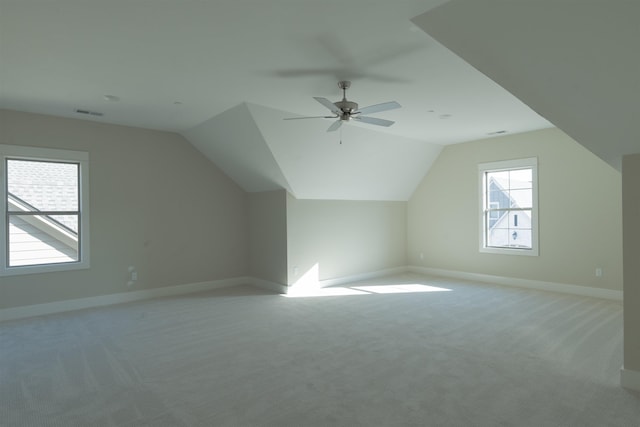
[98, 301]
[362, 276]
[102, 300]
[268, 285]
[522, 283]
[630, 379]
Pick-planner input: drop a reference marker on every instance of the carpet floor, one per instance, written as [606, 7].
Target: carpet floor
[407, 350]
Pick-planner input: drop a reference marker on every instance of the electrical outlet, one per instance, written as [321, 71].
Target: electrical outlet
[133, 275]
[598, 272]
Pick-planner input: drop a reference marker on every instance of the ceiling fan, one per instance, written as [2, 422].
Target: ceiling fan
[345, 110]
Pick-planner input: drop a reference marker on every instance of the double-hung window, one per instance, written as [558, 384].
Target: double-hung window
[45, 205]
[509, 207]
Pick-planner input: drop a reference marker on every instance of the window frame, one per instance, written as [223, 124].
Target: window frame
[81, 158]
[499, 166]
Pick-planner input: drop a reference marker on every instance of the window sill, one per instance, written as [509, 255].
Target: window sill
[510, 251]
[47, 268]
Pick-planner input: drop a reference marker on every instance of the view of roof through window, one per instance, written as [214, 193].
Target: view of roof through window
[50, 188]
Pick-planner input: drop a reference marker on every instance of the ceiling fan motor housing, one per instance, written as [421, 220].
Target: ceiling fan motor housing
[347, 108]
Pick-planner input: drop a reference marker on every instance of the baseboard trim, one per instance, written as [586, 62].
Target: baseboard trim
[522, 283]
[15, 313]
[363, 276]
[268, 285]
[630, 379]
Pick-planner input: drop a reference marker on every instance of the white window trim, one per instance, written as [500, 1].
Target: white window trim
[45, 154]
[531, 162]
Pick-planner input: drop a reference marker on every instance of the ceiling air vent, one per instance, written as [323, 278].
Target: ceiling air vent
[89, 113]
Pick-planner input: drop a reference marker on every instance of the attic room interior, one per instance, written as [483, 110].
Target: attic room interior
[191, 239]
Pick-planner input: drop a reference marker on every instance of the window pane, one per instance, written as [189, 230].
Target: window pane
[498, 237]
[521, 238]
[498, 199]
[67, 222]
[520, 219]
[510, 238]
[494, 215]
[42, 186]
[521, 198]
[36, 239]
[501, 177]
[522, 178]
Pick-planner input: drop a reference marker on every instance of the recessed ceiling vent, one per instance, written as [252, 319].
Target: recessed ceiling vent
[89, 113]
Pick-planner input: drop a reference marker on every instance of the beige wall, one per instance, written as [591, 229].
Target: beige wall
[159, 205]
[344, 238]
[631, 220]
[268, 236]
[156, 203]
[579, 210]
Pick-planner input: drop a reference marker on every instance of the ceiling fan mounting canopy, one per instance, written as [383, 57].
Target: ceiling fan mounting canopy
[345, 110]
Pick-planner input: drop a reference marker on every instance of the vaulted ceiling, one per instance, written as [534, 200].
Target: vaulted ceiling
[225, 73]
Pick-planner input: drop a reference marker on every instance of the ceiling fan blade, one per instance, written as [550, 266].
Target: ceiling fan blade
[334, 126]
[330, 105]
[373, 121]
[310, 117]
[392, 105]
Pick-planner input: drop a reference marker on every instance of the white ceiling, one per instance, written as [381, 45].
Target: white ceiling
[181, 65]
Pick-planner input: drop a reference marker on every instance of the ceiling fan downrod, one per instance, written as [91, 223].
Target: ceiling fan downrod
[347, 107]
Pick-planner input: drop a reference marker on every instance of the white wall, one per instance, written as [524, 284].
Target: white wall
[156, 203]
[344, 238]
[268, 236]
[580, 213]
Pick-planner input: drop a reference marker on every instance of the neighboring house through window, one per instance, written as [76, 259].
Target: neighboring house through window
[508, 217]
[45, 204]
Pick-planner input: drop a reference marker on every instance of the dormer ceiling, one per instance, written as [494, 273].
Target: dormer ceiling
[183, 66]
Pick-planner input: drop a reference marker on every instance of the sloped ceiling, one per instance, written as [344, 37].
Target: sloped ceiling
[234, 142]
[261, 152]
[205, 68]
[575, 62]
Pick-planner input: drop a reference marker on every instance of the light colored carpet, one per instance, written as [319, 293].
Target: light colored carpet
[476, 355]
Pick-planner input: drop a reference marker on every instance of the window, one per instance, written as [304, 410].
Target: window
[45, 205]
[494, 213]
[508, 214]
